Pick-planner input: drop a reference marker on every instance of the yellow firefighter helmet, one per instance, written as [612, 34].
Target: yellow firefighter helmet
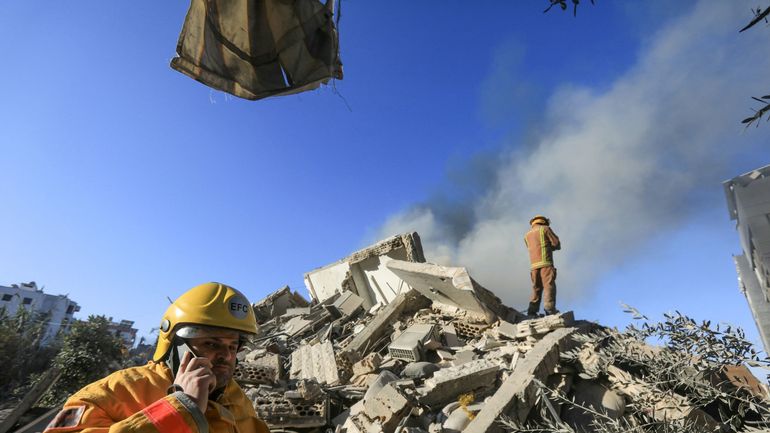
[541, 219]
[210, 304]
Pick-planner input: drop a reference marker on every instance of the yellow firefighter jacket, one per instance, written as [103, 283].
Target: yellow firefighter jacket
[541, 241]
[137, 400]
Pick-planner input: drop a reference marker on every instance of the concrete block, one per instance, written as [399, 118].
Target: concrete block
[277, 303]
[315, 362]
[266, 370]
[507, 329]
[364, 272]
[469, 329]
[369, 364]
[450, 337]
[450, 286]
[388, 406]
[348, 304]
[385, 377]
[362, 424]
[463, 357]
[279, 412]
[300, 311]
[445, 355]
[447, 383]
[517, 394]
[544, 325]
[295, 325]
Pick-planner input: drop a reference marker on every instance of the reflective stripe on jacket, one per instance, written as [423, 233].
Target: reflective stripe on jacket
[541, 241]
[136, 400]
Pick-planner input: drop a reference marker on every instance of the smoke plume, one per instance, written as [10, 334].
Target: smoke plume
[616, 166]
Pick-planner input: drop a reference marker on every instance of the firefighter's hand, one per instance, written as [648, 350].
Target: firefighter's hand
[196, 379]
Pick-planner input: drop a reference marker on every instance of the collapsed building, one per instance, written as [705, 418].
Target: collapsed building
[391, 343]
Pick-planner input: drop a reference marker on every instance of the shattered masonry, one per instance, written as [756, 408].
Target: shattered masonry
[364, 272]
[391, 343]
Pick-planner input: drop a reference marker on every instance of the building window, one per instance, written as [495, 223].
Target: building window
[7, 297]
[70, 309]
[26, 301]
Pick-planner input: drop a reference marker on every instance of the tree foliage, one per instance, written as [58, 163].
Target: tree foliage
[22, 353]
[89, 352]
[759, 16]
[563, 5]
[688, 367]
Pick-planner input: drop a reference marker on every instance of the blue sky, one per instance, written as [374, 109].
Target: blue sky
[125, 182]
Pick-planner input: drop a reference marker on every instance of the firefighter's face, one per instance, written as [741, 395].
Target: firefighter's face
[220, 349]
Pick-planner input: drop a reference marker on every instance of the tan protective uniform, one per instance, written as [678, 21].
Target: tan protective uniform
[541, 242]
[137, 400]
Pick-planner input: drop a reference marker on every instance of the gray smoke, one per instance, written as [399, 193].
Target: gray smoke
[616, 166]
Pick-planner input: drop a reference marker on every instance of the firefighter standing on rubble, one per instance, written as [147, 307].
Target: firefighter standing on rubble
[188, 386]
[541, 242]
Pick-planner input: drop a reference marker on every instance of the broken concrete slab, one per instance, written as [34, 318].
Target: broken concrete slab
[279, 412]
[265, 369]
[315, 362]
[541, 325]
[452, 287]
[295, 325]
[447, 383]
[410, 300]
[348, 304]
[388, 406]
[507, 329]
[291, 312]
[451, 340]
[277, 303]
[369, 364]
[364, 272]
[517, 394]
[463, 357]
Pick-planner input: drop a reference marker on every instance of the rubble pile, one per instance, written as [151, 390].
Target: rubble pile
[390, 344]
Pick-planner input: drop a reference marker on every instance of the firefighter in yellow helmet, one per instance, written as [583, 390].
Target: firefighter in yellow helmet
[541, 242]
[188, 385]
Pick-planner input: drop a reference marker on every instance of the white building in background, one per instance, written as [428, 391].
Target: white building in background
[748, 199]
[59, 308]
[125, 331]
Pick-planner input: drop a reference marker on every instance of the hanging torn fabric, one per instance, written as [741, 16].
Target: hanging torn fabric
[259, 48]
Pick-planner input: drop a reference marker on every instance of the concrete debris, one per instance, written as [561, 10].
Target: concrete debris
[452, 288]
[369, 364]
[448, 383]
[392, 344]
[263, 370]
[364, 272]
[278, 303]
[315, 362]
[388, 407]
